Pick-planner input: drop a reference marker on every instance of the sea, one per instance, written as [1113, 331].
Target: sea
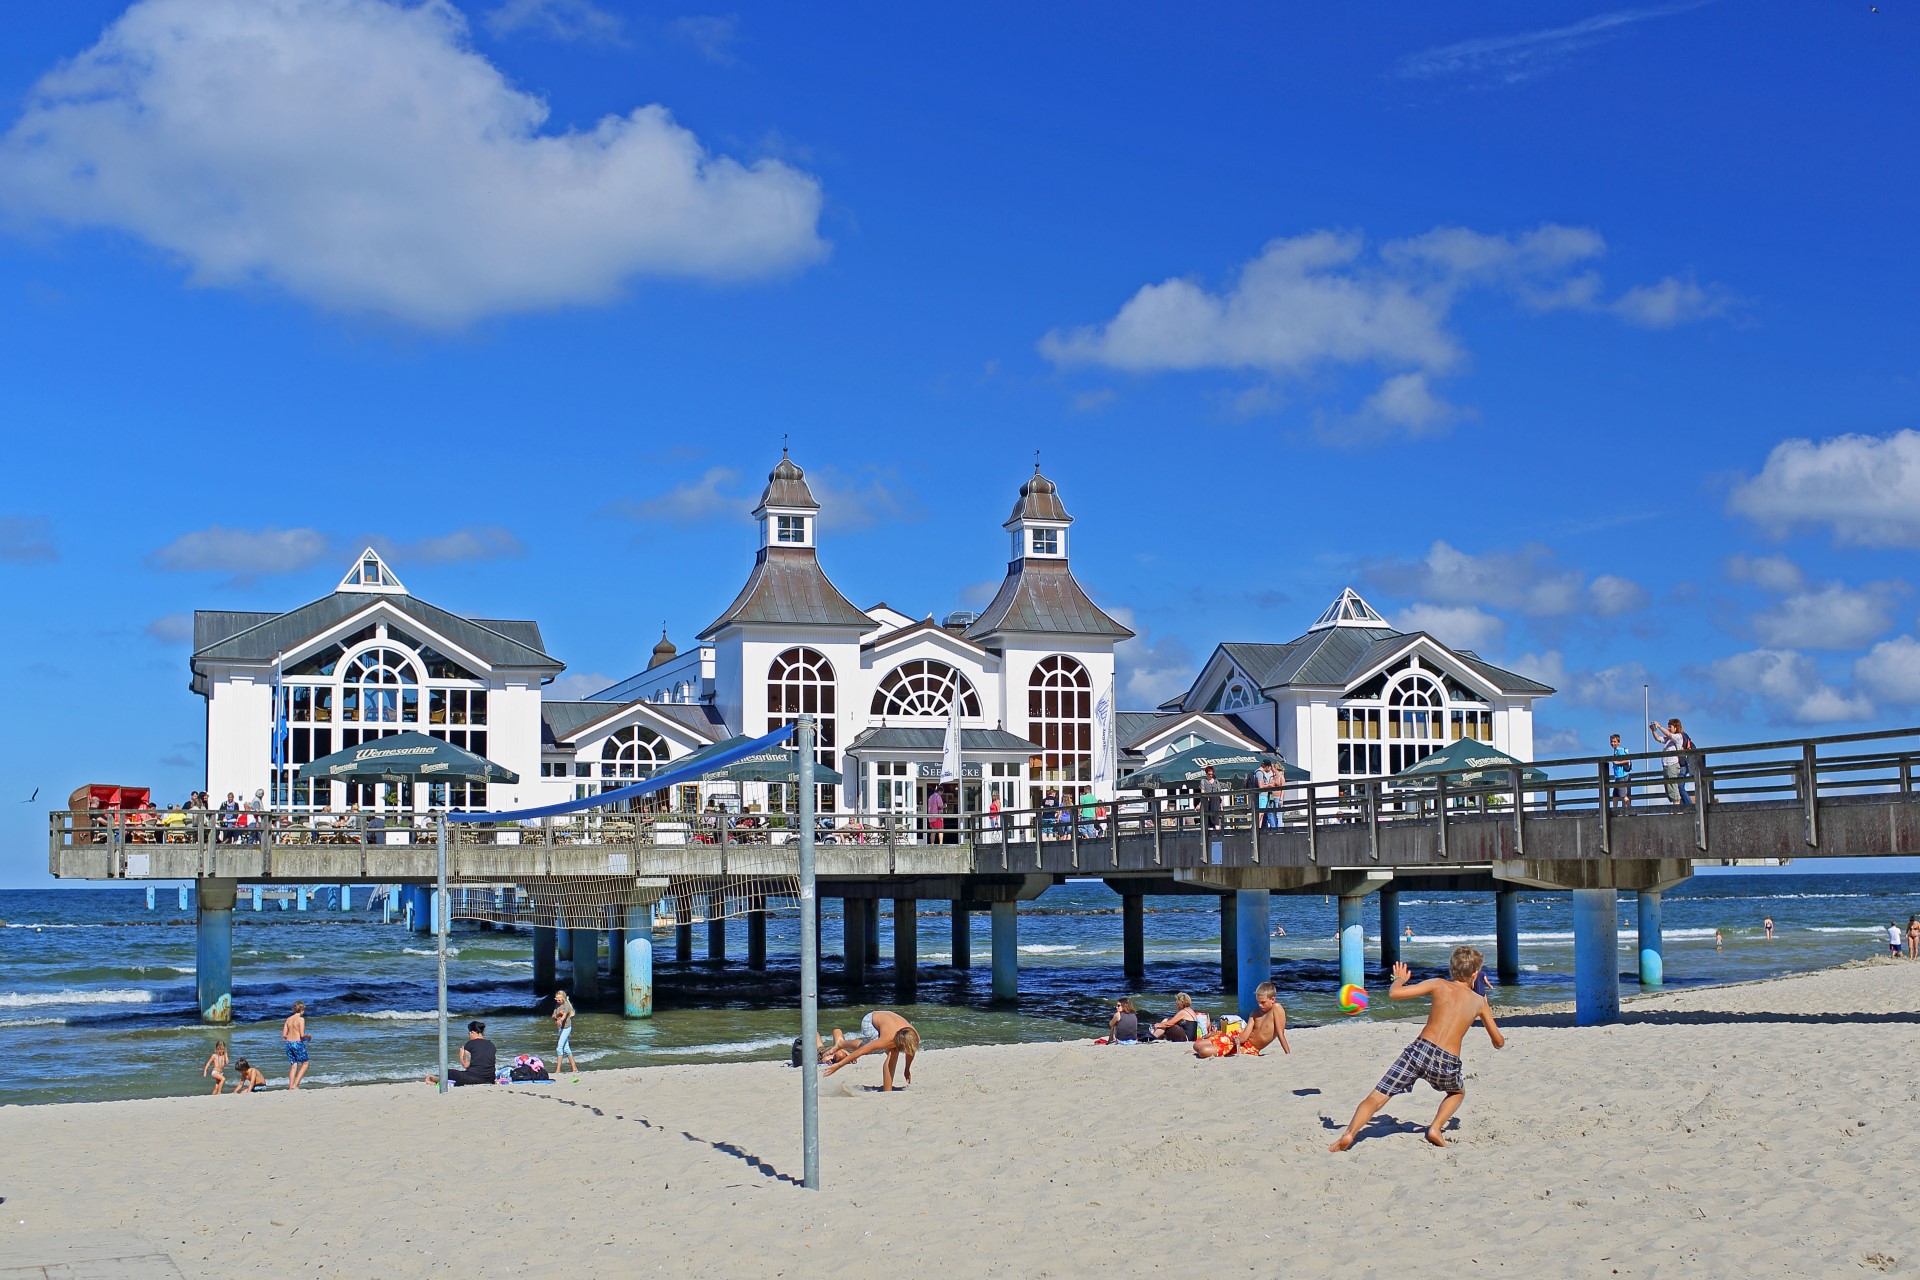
[97, 990]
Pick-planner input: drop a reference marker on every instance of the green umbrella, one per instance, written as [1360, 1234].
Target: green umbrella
[1468, 763]
[775, 765]
[404, 757]
[1231, 765]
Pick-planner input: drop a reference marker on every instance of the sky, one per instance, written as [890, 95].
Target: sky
[1578, 335]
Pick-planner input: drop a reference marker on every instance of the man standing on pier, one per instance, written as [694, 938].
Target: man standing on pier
[294, 1032]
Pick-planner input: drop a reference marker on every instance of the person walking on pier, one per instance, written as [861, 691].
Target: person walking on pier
[563, 1019]
[294, 1032]
[1268, 780]
[1618, 769]
[1675, 763]
[1435, 1055]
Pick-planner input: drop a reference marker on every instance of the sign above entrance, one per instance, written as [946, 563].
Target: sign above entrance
[931, 772]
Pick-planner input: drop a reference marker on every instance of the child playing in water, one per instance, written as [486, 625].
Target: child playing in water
[251, 1078]
[216, 1066]
[1435, 1056]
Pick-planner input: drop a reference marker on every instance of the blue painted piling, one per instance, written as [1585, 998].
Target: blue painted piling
[300, 894]
[637, 977]
[962, 945]
[566, 945]
[1253, 943]
[1653, 971]
[1006, 951]
[149, 897]
[183, 897]
[1506, 935]
[586, 964]
[1596, 957]
[258, 896]
[346, 897]
[213, 952]
[545, 948]
[1353, 942]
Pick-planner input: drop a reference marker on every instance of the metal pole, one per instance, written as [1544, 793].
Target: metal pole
[440, 928]
[809, 969]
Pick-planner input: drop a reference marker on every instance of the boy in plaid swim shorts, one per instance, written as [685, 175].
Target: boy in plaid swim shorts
[1435, 1056]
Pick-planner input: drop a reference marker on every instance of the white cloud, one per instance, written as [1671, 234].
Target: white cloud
[1457, 626]
[1529, 581]
[1774, 573]
[1790, 684]
[1890, 671]
[576, 686]
[462, 546]
[1549, 744]
[360, 155]
[1549, 668]
[555, 19]
[861, 500]
[712, 34]
[693, 502]
[1511, 59]
[1405, 405]
[1094, 401]
[245, 553]
[1864, 490]
[173, 628]
[25, 540]
[1670, 302]
[1832, 616]
[1459, 255]
[1148, 671]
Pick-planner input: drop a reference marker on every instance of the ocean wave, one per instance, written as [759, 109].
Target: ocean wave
[741, 1046]
[416, 951]
[526, 965]
[397, 1015]
[6, 1023]
[1850, 928]
[35, 999]
[1047, 948]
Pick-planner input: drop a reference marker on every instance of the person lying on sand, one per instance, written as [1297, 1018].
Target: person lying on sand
[884, 1031]
[1268, 1024]
[1435, 1056]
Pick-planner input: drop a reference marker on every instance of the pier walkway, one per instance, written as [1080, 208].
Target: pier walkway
[1561, 825]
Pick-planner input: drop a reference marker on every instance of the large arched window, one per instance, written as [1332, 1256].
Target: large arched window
[1416, 721]
[380, 687]
[629, 755]
[1060, 719]
[1404, 714]
[800, 682]
[925, 688]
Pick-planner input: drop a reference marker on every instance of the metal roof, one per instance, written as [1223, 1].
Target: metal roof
[1335, 656]
[934, 739]
[560, 720]
[277, 633]
[1042, 596]
[210, 626]
[1151, 724]
[1039, 500]
[787, 587]
[787, 487]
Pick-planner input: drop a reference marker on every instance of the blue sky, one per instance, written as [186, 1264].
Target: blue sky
[1579, 335]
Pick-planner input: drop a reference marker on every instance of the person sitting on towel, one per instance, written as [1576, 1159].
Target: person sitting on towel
[1181, 1025]
[478, 1058]
[1269, 1023]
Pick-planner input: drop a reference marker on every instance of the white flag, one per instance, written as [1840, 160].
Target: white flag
[950, 749]
[1105, 752]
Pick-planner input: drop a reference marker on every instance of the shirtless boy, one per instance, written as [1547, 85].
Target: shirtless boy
[883, 1031]
[1268, 1024]
[250, 1079]
[294, 1032]
[1435, 1056]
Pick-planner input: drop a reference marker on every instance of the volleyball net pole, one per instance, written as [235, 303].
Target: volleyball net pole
[809, 967]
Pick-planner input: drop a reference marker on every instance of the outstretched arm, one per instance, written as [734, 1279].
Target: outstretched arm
[872, 1046]
[1404, 988]
[1493, 1028]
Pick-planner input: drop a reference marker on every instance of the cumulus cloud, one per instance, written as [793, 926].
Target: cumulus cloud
[576, 686]
[1890, 671]
[692, 501]
[713, 35]
[1831, 616]
[173, 628]
[1511, 59]
[360, 155]
[1403, 407]
[1148, 670]
[1773, 573]
[1789, 684]
[462, 546]
[862, 499]
[568, 20]
[1457, 626]
[25, 540]
[244, 553]
[1550, 744]
[1529, 581]
[1864, 490]
[1670, 302]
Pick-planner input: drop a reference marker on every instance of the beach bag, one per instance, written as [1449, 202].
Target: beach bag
[521, 1075]
[796, 1051]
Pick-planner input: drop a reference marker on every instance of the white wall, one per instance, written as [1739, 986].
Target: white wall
[239, 731]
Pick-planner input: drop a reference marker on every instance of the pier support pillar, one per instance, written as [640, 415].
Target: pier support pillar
[616, 952]
[872, 934]
[586, 964]
[853, 945]
[1006, 950]
[1353, 942]
[906, 945]
[300, 897]
[1596, 957]
[1133, 937]
[183, 897]
[717, 927]
[545, 949]
[636, 971]
[149, 897]
[257, 897]
[1389, 929]
[1653, 969]
[682, 930]
[1229, 942]
[1506, 936]
[962, 949]
[213, 952]
[1252, 911]
[757, 936]
[565, 937]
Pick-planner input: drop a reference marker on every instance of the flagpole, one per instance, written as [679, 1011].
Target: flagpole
[809, 968]
[440, 929]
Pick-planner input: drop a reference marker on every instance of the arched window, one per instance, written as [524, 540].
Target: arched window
[630, 755]
[1235, 696]
[800, 682]
[380, 688]
[925, 688]
[1060, 719]
[1416, 721]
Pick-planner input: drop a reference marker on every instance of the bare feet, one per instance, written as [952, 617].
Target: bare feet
[1433, 1136]
[1341, 1143]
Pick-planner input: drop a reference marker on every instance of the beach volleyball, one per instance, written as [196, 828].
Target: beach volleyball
[1353, 999]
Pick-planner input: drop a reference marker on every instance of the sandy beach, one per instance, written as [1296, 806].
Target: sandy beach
[1769, 1129]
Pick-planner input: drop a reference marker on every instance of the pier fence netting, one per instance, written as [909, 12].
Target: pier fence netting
[608, 901]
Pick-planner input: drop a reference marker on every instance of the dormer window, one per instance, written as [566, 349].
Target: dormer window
[790, 529]
[1044, 542]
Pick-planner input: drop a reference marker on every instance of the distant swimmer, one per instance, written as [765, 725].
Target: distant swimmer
[1767, 924]
[881, 1031]
[1718, 940]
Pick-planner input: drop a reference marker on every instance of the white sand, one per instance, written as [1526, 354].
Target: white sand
[1758, 1130]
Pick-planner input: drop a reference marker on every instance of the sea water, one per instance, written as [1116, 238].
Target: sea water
[97, 992]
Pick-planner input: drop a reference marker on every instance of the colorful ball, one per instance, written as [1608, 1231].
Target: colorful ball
[1353, 999]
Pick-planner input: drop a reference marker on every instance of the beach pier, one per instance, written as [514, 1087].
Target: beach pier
[1253, 943]
[853, 942]
[1229, 942]
[1006, 950]
[546, 950]
[213, 951]
[961, 950]
[1596, 967]
[1652, 964]
[682, 931]
[1389, 926]
[757, 935]
[636, 970]
[586, 964]
[870, 932]
[906, 946]
[1506, 935]
[717, 926]
[1133, 936]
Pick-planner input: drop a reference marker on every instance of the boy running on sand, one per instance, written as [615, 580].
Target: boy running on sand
[1435, 1056]
[216, 1066]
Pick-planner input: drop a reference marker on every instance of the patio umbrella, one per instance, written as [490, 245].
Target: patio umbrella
[775, 765]
[405, 757]
[1231, 765]
[1468, 763]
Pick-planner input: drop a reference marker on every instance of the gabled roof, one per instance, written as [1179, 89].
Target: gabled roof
[1227, 729]
[1042, 596]
[1335, 657]
[788, 588]
[924, 625]
[497, 643]
[932, 739]
[562, 720]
